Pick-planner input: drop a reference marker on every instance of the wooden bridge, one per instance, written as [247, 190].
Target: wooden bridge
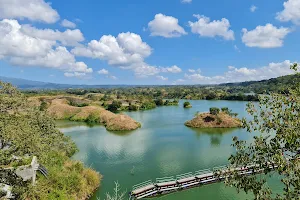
[188, 180]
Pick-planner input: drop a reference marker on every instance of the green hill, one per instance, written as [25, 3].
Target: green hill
[279, 84]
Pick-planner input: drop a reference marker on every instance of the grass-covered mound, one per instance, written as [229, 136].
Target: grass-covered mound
[25, 131]
[60, 109]
[215, 119]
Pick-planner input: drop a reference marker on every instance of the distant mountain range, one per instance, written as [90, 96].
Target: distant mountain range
[37, 85]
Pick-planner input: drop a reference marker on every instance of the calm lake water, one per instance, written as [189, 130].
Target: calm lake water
[162, 147]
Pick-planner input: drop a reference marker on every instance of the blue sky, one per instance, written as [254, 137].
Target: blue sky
[148, 42]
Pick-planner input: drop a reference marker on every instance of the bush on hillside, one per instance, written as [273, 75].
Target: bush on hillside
[187, 104]
[214, 110]
[27, 132]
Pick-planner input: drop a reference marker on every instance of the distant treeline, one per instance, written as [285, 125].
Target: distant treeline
[245, 91]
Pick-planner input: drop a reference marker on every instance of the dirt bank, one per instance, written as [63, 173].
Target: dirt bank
[207, 120]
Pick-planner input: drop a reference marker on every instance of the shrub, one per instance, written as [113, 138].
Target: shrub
[214, 111]
[219, 120]
[132, 108]
[148, 105]
[2, 193]
[114, 106]
[92, 118]
[225, 110]
[43, 106]
[167, 102]
[186, 104]
[77, 102]
[159, 102]
[209, 119]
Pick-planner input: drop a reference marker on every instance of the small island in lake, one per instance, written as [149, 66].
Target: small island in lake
[187, 104]
[77, 109]
[215, 119]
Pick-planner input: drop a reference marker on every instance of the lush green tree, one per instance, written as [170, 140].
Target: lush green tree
[43, 106]
[187, 104]
[159, 102]
[277, 118]
[167, 102]
[211, 95]
[214, 110]
[132, 107]
[25, 131]
[225, 110]
[114, 106]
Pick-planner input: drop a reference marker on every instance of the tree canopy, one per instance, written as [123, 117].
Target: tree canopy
[277, 118]
[25, 131]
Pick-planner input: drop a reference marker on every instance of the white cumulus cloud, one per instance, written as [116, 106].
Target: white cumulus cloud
[112, 77]
[144, 70]
[291, 12]
[59, 58]
[75, 74]
[194, 70]
[103, 71]
[234, 74]
[68, 37]
[68, 24]
[206, 28]
[178, 81]
[23, 49]
[172, 69]
[124, 50]
[165, 26]
[13, 42]
[162, 78]
[267, 36]
[253, 8]
[34, 10]
[186, 1]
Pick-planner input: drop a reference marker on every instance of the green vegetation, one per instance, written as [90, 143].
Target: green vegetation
[214, 111]
[171, 103]
[147, 105]
[277, 118]
[276, 85]
[114, 106]
[117, 194]
[148, 97]
[59, 107]
[43, 106]
[25, 131]
[214, 119]
[187, 104]
[77, 102]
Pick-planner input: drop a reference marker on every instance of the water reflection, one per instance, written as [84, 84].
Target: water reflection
[215, 134]
[164, 146]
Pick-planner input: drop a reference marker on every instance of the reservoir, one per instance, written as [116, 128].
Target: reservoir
[164, 146]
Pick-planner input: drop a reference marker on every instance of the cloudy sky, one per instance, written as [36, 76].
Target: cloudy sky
[148, 41]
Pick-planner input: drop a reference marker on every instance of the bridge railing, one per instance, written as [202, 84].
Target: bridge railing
[185, 175]
[143, 184]
[202, 172]
[165, 179]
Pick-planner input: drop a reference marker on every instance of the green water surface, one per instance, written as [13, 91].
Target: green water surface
[162, 147]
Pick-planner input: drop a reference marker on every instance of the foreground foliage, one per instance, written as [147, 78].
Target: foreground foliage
[278, 120]
[25, 131]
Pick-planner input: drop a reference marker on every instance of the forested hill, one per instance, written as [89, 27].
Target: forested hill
[274, 84]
